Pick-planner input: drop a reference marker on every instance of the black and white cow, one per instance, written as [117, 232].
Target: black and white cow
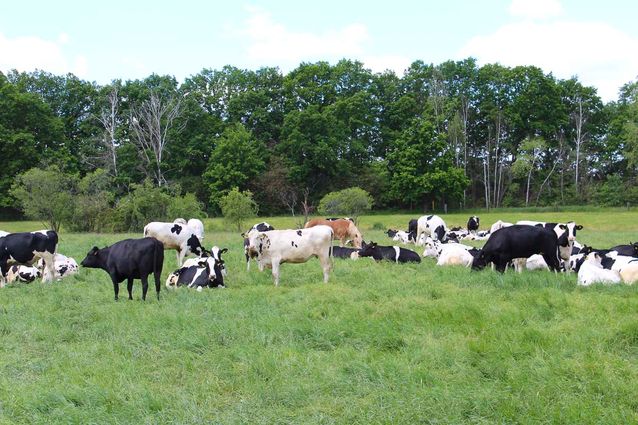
[178, 236]
[473, 224]
[207, 273]
[566, 233]
[216, 253]
[630, 250]
[345, 252]
[129, 259]
[19, 273]
[28, 247]
[392, 253]
[518, 241]
[259, 227]
[432, 226]
[64, 266]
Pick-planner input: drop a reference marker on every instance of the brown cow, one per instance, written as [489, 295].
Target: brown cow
[343, 229]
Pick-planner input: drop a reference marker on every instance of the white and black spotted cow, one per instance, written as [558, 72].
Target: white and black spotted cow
[177, 236]
[28, 247]
[432, 226]
[473, 224]
[204, 273]
[19, 273]
[64, 266]
[392, 253]
[259, 227]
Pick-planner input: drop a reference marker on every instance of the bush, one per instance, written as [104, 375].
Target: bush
[351, 202]
[93, 203]
[378, 226]
[237, 207]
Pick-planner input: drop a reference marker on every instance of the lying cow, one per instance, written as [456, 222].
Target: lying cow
[129, 259]
[215, 253]
[275, 247]
[392, 253]
[343, 229]
[259, 227]
[591, 271]
[630, 250]
[499, 225]
[345, 252]
[518, 241]
[28, 247]
[19, 273]
[64, 266]
[180, 237]
[206, 273]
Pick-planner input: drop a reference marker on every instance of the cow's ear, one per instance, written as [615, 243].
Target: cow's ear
[94, 250]
[243, 235]
[562, 226]
[579, 227]
[223, 250]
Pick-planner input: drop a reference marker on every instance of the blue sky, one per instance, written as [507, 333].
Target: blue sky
[597, 41]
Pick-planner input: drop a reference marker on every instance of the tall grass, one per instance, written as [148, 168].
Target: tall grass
[380, 343]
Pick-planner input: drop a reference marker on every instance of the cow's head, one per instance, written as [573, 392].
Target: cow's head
[635, 247]
[367, 249]
[195, 246]
[480, 260]
[217, 255]
[391, 233]
[432, 248]
[92, 259]
[571, 228]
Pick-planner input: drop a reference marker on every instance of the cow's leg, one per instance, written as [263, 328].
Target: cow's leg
[48, 271]
[342, 241]
[180, 257]
[144, 286]
[552, 262]
[157, 275]
[275, 271]
[247, 262]
[129, 287]
[4, 269]
[325, 264]
[116, 289]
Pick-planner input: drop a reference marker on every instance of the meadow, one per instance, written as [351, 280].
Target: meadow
[380, 343]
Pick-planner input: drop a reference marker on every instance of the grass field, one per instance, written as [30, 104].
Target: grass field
[380, 343]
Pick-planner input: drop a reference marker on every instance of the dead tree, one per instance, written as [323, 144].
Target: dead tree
[109, 119]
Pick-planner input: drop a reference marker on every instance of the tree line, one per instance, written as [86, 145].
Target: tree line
[454, 134]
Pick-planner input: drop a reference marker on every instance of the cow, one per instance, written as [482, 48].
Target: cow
[215, 253]
[434, 248]
[64, 266]
[629, 274]
[592, 271]
[518, 241]
[19, 273]
[344, 252]
[343, 229]
[392, 253]
[400, 236]
[207, 272]
[129, 259]
[275, 247]
[473, 224]
[566, 233]
[630, 250]
[259, 227]
[26, 248]
[432, 226]
[182, 238]
[499, 225]
[3, 233]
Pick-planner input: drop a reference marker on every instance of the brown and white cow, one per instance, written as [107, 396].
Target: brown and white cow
[343, 229]
[274, 247]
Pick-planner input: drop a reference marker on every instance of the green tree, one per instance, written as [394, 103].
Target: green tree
[237, 207]
[351, 202]
[93, 203]
[46, 195]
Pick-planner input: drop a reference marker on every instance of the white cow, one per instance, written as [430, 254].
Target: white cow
[64, 266]
[3, 233]
[176, 236]
[499, 225]
[274, 247]
[432, 226]
[629, 273]
[402, 236]
[448, 254]
[592, 271]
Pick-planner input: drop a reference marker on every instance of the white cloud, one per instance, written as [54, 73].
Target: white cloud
[30, 53]
[598, 54]
[395, 63]
[536, 9]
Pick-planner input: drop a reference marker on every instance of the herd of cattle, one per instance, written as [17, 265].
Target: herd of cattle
[523, 245]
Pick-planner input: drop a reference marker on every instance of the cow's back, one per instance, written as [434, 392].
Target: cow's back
[521, 241]
[300, 244]
[135, 257]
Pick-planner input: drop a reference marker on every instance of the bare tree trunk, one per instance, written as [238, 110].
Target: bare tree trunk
[540, 189]
[108, 119]
[579, 122]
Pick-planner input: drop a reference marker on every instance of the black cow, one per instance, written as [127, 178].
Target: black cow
[129, 259]
[630, 250]
[473, 223]
[518, 241]
[344, 252]
[28, 247]
[392, 253]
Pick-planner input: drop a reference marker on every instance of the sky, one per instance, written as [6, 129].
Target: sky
[596, 41]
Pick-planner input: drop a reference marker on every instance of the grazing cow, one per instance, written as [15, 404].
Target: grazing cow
[259, 227]
[473, 224]
[630, 250]
[182, 238]
[129, 259]
[592, 271]
[432, 226]
[345, 252]
[207, 272]
[392, 253]
[518, 241]
[28, 247]
[64, 266]
[499, 225]
[343, 229]
[275, 247]
[18, 273]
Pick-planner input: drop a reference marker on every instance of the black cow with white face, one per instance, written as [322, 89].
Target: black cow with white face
[630, 250]
[129, 259]
[518, 241]
[259, 227]
[473, 224]
[392, 253]
[28, 247]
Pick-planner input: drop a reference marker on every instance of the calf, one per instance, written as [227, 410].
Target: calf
[592, 271]
[215, 253]
[432, 226]
[473, 224]
[182, 238]
[392, 253]
[518, 241]
[344, 252]
[343, 229]
[129, 259]
[25, 274]
[275, 247]
[64, 266]
[259, 227]
[28, 247]
[206, 273]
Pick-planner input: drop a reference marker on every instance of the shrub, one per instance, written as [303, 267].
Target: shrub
[351, 202]
[237, 207]
[93, 203]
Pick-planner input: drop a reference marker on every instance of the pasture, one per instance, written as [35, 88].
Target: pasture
[380, 343]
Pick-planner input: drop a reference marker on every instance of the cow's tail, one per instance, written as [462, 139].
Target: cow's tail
[331, 250]
[158, 255]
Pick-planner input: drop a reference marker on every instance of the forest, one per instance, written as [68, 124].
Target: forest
[455, 134]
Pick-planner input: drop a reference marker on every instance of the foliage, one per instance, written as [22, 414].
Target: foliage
[46, 195]
[350, 202]
[93, 203]
[237, 207]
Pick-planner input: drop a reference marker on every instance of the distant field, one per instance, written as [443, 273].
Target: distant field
[380, 343]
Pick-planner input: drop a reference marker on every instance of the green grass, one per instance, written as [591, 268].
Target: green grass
[380, 343]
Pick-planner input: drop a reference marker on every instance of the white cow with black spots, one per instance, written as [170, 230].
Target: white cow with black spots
[178, 236]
